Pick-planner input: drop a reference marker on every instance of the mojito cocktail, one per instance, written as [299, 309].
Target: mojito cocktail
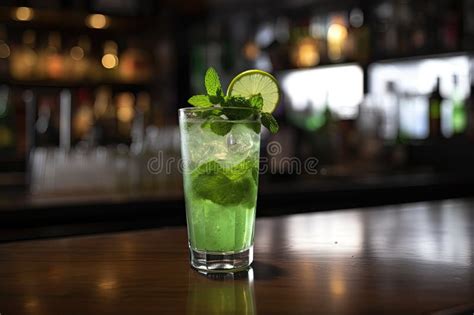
[220, 147]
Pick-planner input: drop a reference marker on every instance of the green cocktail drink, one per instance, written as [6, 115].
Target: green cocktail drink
[220, 146]
[220, 182]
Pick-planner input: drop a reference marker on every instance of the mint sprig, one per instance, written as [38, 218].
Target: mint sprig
[200, 101]
[211, 178]
[214, 94]
[215, 97]
[270, 122]
[212, 82]
[256, 101]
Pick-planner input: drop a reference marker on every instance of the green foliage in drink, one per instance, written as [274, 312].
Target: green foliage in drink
[252, 100]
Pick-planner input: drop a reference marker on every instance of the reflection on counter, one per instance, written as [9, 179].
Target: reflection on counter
[221, 293]
[345, 232]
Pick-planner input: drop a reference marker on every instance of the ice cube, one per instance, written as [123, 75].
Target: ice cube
[241, 142]
[204, 145]
[241, 139]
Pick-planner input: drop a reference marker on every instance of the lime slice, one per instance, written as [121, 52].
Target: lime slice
[253, 82]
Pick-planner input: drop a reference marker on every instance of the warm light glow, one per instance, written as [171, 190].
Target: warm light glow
[102, 101]
[31, 304]
[110, 61]
[337, 35]
[23, 14]
[337, 283]
[110, 47]
[77, 53]
[251, 51]
[125, 114]
[29, 37]
[125, 111]
[4, 50]
[306, 53]
[144, 101]
[98, 21]
[107, 285]
[83, 120]
[55, 66]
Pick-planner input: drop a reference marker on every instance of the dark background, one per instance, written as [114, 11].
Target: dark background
[379, 92]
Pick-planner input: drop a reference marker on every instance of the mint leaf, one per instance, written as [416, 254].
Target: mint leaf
[254, 126]
[212, 82]
[209, 118]
[224, 185]
[219, 189]
[221, 128]
[209, 168]
[237, 101]
[236, 171]
[217, 125]
[257, 101]
[216, 112]
[200, 101]
[237, 113]
[269, 122]
[216, 99]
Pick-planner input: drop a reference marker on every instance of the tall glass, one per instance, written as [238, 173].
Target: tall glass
[220, 172]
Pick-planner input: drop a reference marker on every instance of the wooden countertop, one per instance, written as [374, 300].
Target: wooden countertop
[25, 216]
[405, 259]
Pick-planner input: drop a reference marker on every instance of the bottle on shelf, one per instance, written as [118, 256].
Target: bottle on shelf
[360, 33]
[65, 107]
[4, 51]
[79, 62]
[140, 122]
[450, 26]
[470, 110]
[110, 61]
[24, 59]
[125, 104]
[105, 127]
[135, 65]
[390, 107]
[83, 119]
[434, 101]
[51, 61]
[144, 106]
[47, 122]
[385, 15]
[7, 122]
[459, 115]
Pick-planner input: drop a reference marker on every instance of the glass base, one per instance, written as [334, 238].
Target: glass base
[221, 262]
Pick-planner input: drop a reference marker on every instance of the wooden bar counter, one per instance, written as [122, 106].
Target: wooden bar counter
[403, 259]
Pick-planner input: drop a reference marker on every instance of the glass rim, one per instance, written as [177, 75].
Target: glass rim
[193, 109]
[187, 110]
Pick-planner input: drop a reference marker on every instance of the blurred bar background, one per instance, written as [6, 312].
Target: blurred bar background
[379, 92]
